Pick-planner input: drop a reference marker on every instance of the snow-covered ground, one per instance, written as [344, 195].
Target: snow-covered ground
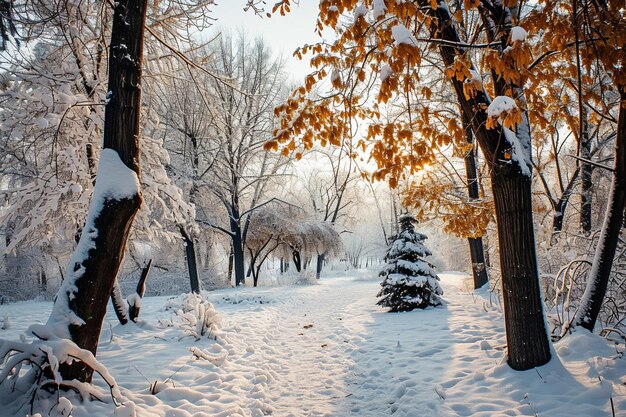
[328, 350]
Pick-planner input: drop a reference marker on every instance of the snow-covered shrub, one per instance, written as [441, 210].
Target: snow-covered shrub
[197, 315]
[30, 375]
[563, 290]
[409, 280]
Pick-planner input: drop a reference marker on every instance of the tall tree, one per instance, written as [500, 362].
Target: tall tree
[606, 248]
[80, 306]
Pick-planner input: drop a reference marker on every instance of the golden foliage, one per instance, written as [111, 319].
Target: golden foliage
[434, 197]
[393, 90]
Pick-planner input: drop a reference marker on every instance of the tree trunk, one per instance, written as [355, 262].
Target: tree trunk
[479, 267]
[120, 306]
[126, 310]
[477, 254]
[43, 282]
[557, 219]
[192, 266]
[320, 264]
[586, 185]
[238, 249]
[559, 205]
[133, 309]
[238, 259]
[231, 256]
[600, 272]
[98, 257]
[526, 335]
[296, 260]
[586, 195]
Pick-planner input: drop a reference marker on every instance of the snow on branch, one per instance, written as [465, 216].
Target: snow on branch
[401, 35]
[505, 109]
[518, 34]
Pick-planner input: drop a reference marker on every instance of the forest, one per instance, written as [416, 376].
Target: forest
[188, 226]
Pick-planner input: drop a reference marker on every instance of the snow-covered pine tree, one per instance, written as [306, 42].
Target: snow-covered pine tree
[409, 280]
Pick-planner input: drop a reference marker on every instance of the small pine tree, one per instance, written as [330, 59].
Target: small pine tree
[409, 280]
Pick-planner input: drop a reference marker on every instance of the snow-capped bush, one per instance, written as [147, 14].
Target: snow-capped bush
[33, 371]
[197, 315]
[410, 281]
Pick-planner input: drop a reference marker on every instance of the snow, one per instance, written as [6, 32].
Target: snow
[360, 10]
[517, 152]
[499, 105]
[385, 72]
[476, 80]
[379, 8]
[328, 350]
[40, 122]
[115, 181]
[518, 34]
[134, 300]
[401, 35]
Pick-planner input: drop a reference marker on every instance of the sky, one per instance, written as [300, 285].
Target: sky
[283, 33]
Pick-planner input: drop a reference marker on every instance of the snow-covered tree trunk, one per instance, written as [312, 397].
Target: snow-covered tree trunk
[81, 303]
[600, 272]
[120, 306]
[134, 302]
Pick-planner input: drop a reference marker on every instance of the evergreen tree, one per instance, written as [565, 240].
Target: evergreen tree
[409, 280]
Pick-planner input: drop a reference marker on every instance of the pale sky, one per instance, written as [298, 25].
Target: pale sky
[283, 33]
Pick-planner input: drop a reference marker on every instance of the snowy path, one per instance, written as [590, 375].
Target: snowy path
[328, 350]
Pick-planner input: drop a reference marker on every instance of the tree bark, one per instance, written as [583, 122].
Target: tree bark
[230, 263]
[238, 250]
[527, 340]
[238, 259]
[192, 266]
[477, 253]
[96, 273]
[600, 272]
